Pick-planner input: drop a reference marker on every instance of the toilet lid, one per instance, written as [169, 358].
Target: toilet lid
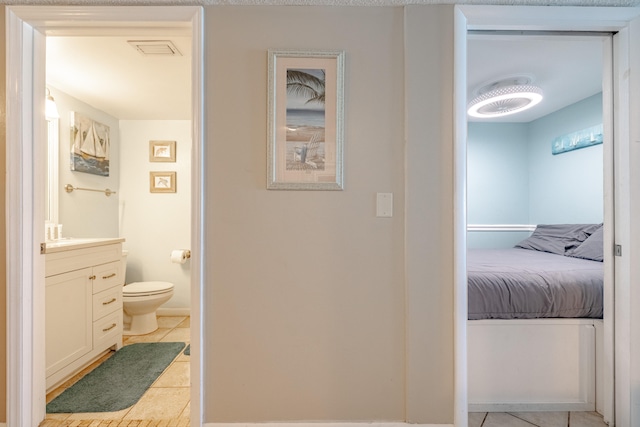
[147, 288]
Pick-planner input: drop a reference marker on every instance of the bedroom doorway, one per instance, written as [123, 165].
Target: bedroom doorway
[27, 28]
[625, 57]
[516, 179]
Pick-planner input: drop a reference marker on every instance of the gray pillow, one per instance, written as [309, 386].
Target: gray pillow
[558, 238]
[592, 248]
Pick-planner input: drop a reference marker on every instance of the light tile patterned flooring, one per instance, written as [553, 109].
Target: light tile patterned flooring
[165, 403]
[536, 419]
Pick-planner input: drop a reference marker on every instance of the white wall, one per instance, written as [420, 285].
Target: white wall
[154, 224]
[86, 213]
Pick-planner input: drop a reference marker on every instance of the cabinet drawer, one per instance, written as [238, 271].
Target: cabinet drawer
[106, 302]
[107, 276]
[61, 262]
[105, 330]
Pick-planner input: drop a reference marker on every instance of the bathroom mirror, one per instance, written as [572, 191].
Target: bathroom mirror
[51, 202]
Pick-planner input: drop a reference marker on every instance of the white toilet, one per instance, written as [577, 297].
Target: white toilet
[140, 302]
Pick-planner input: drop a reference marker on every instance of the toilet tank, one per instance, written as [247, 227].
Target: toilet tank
[123, 265]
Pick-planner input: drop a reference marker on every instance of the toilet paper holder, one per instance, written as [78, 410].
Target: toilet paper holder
[180, 256]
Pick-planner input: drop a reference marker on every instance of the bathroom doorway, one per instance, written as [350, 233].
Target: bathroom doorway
[139, 88]
[27, 30]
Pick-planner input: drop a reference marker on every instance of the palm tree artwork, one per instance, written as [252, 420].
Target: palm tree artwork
[305, 119]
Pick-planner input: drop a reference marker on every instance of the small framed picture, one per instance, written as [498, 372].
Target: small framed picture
[162, 151]
[162, 182]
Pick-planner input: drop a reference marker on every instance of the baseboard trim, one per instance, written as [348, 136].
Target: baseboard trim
[172, 312]
[533, 407]
[321, 424]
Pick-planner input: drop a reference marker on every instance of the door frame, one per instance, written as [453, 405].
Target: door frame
[625, 22]
[26, 30]
[605, 44]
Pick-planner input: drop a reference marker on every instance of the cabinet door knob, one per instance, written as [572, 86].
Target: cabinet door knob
[92, 277]
[109, 276]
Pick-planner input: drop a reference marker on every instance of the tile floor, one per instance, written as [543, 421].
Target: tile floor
[166, 402]
[536, 419]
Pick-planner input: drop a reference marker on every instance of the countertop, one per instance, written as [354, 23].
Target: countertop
[70, 243]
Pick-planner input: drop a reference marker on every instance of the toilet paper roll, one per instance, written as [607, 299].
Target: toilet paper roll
[179, 256]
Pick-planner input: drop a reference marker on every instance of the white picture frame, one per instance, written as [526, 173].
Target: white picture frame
[305, 120]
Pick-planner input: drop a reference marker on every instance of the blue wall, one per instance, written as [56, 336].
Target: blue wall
[497, 180]
[567, 187]
[512, 177]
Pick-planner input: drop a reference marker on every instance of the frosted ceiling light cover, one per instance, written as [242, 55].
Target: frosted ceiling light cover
[506, 100]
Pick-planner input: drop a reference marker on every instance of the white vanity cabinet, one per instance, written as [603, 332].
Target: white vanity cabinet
[83, 308]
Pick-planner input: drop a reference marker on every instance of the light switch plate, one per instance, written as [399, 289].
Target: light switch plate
[384, 205]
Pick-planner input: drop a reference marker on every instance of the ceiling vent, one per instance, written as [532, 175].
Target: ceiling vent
[155, 47]
[504, 97]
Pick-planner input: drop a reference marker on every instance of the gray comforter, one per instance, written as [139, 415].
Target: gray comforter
[527, 284]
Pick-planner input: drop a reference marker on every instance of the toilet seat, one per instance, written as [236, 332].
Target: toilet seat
[142, 289]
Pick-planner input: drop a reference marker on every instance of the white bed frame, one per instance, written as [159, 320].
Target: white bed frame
[535, 365]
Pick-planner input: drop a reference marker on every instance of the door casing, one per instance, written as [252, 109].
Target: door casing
[626, 44]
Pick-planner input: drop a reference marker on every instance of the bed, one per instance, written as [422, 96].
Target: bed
[535, 322]
[526, 284]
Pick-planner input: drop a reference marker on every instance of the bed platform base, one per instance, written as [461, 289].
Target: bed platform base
[534, 365]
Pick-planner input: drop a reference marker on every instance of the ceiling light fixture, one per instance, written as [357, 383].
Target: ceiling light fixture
[50, 108]
[504, 97]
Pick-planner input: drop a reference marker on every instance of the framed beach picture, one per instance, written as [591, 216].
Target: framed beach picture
[162, 182]
[90, 145]
[305, 120]
[162, 151]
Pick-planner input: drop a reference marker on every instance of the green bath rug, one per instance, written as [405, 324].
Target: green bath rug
[119, 381]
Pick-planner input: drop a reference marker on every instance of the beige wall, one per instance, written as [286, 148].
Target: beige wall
[305, 300]
[3, 269]
[429, 213]
[314, 308]
[305, 295]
